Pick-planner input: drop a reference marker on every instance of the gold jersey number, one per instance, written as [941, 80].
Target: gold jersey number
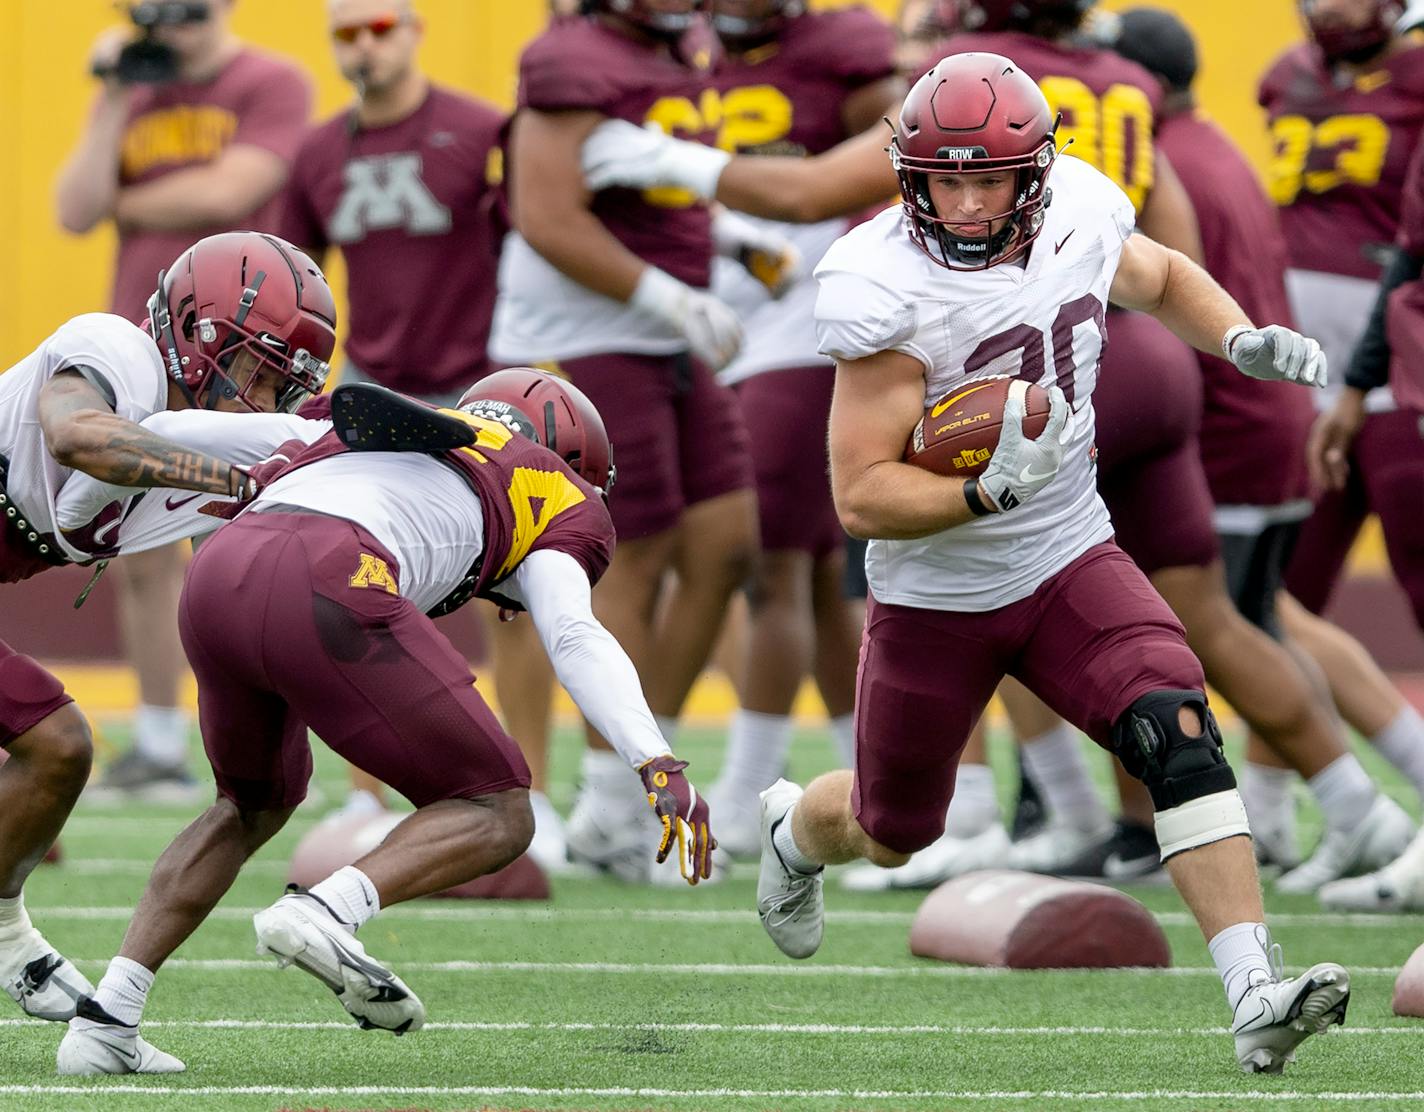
[1112, 132]
[1358, 144]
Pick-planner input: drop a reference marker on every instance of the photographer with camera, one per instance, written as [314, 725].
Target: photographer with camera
[192, 133]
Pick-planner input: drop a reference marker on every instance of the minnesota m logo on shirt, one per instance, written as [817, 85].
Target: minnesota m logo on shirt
[386, 191]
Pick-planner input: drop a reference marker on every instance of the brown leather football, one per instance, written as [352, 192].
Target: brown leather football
[958, 434]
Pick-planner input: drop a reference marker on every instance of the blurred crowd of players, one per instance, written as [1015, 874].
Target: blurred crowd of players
[471, 242]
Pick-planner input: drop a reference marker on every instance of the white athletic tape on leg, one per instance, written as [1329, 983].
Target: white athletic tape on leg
[1200, 822]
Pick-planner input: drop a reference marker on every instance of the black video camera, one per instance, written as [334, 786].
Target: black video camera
[145, 60]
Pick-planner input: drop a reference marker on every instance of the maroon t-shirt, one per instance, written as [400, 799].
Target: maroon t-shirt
[1341, 153]
[410, 207]
[1253, 433]
[256, 99]
[785, 97]
[580, 64]
[1109, 105]
[530, 498]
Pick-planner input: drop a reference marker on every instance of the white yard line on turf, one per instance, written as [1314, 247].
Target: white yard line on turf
[464, 911]
[733, 1028]
[710, 969]
[129, 1089]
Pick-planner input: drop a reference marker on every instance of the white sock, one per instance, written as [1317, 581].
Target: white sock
[974, 807]
[1241, 959]
[350, 895]
[667, 726]
[124, 991]
[1054, 762]
[1266, 792]
[607, 778]
[756, 755]
[161, 733]
[787, 849]
[1401, 743]
[14, 920]
[546, 817]
[1344, 791]
[843, 734]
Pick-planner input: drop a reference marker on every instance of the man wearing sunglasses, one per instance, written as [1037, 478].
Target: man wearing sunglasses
[169, 163]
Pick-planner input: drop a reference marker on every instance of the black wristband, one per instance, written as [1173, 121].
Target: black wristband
[975, 501]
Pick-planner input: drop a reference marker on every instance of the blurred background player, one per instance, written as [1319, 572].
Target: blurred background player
[791, 82]
[169, 156]
[611, 292]
[73, 406]
[404, 183]
[1346, 110]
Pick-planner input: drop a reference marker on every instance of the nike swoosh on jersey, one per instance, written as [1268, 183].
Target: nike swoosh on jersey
[1057, 247]
[171, 503]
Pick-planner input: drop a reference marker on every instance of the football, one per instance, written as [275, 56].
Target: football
[958, 434]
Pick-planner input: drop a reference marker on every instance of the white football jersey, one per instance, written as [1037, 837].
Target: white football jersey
[1043, 322]
[125, 366]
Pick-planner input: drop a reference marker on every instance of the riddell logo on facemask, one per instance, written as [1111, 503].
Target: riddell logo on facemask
[972, 457]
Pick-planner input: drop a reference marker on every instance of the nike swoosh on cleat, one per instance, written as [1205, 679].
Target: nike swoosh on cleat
[1116, 866]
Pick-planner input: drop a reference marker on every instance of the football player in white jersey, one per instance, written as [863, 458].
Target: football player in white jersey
[990, 268]
[73, 406]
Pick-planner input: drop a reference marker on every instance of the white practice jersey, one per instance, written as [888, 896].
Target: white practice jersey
[1042, 322]
[151, 518]
[779, 333]
[124, 365]
[540, 315]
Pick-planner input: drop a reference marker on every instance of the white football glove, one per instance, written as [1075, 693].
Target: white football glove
[1275, 354]
[765, 254]
[619, 153]
[712, 329]
[1020, 467]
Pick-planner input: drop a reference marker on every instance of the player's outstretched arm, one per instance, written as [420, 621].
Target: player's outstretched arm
[846, 179]
[1184, 297]
[604, 685]
[82, 431]
[876, 403]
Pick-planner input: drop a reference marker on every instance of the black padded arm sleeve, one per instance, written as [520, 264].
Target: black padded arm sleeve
[1369, 366]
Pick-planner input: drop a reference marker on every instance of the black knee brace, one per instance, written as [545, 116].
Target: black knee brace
[1175, 766]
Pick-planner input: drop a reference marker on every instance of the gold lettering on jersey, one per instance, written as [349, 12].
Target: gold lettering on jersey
[176, 136]
[1112, 132]
[537, 498]
[744, 117]
[1358, 142]
[374, 572]
[1369, 82]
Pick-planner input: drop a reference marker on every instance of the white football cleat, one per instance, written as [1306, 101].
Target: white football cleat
[736, 822]
[299, 929]
[1054, 847]
[613, 833]
[1383, 834]
[1274, 1017]
[943, 859]
[41, 980]
[1399, 886]
[96, 1043]
[790, 903]
[549, 848]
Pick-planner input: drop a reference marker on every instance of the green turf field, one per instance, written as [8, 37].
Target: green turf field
[619, 998]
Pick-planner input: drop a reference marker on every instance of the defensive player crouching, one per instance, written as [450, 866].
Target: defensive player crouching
[985, 270]
[310, 610]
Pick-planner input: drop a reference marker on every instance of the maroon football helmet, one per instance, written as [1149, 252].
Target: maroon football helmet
[973, 113]
[663, 18]
[244, 292]
[1340, 42]
[550, 411]
[1003, 15]
[753, 20]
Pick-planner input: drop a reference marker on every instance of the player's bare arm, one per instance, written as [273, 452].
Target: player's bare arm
[550, 206]
[1167, 215]
[1184, 297]
[219, 193]
[82, 432]
[868, 106]
[877, 401]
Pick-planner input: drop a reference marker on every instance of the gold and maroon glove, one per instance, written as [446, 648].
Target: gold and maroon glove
[683, 814]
